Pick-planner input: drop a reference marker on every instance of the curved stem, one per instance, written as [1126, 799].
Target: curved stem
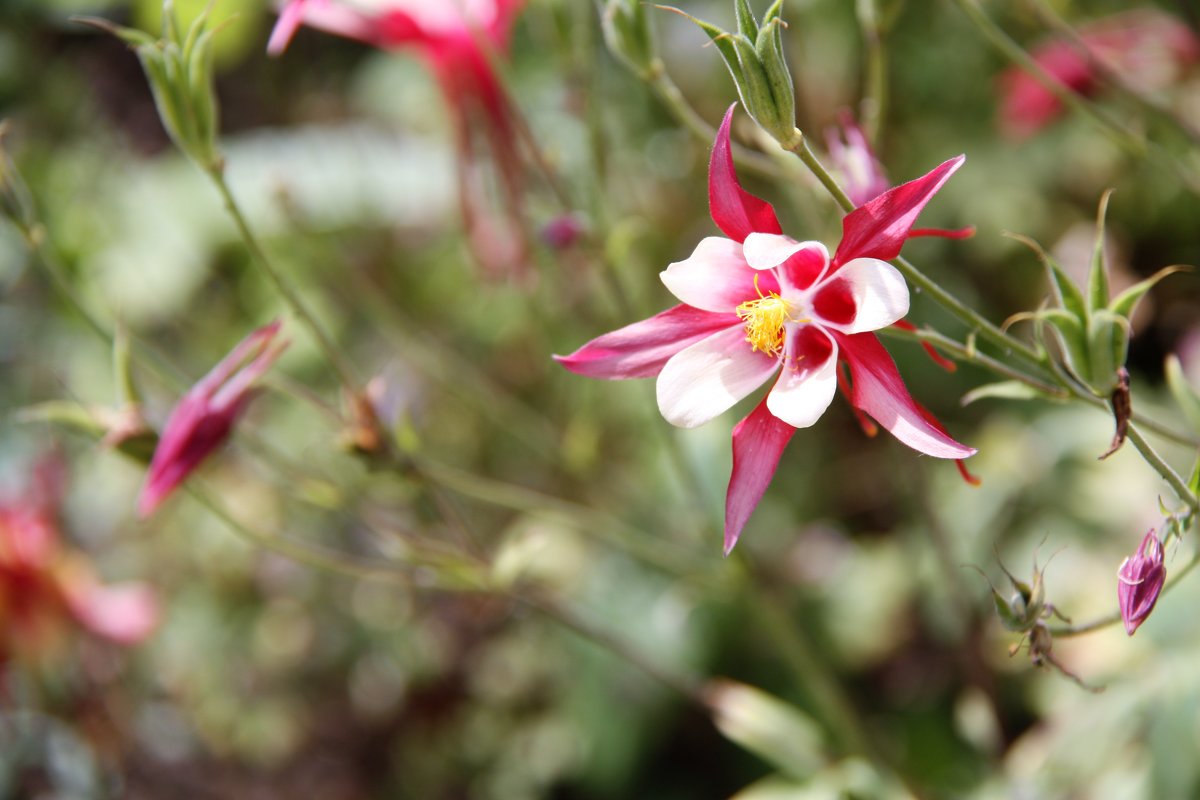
[1178, 485]
[335, 356]
[970, 355]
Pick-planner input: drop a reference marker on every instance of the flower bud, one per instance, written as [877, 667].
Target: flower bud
[627, 34]
[1139, 581]
[754, 56]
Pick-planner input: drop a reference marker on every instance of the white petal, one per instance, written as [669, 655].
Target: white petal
[701, 381]
[714, 278]
[769, 250]
[800, 396]
[879, 291]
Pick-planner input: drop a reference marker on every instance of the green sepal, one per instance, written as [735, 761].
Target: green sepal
[758, 98]
[1194, 481]
[747, 25]
[627, 34]
[769, 48]
[200, 86]
[724, 43]
[1066, 294]
[1108, 346]
[1097, 288]
[1073, 339]
[1005, 390]
[1127, 301]
[1185, 396]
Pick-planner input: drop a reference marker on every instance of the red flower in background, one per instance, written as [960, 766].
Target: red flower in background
[454, 38]
[1148, 49]
[204, 416]
[759, 304]
[45, 588]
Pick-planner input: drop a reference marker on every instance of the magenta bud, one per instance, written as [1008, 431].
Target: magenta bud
[1139, 581]
[205, 415]
[563, 231]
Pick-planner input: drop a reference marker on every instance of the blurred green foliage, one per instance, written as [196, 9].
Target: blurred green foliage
[272, 678]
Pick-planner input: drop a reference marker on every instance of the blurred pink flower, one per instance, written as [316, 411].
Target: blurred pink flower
[1139, 581]
[454, 38]
[854, 162]
[205, 415]
[44, 588]
[1147, 48]
[759, 303]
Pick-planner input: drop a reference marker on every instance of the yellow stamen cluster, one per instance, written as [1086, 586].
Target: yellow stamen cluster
[764, 319]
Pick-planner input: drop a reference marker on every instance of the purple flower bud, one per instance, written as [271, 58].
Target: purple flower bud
[1139, 581]
[205, 415]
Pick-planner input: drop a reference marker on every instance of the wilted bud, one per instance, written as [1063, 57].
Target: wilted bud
[627, 34]
[861, 174]
[754, 56]
[1139, 581]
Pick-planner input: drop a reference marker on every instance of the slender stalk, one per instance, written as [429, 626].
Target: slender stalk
[335, 356]
[668, 91]
[686, 685]
[962, 352]
[320, 557]
[799, 146]
[1178, 485]
[875, 85]
[815, 679]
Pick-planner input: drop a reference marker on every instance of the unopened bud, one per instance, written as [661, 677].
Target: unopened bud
[1139, 582]
[627, 34]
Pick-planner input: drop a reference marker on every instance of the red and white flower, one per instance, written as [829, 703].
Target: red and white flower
[759, 306]
[455, 39]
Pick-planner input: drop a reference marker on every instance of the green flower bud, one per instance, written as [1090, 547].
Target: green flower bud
[627, 34]
[754, 57]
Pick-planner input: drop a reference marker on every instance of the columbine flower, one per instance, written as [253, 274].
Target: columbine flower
[759, 304]
[1148, 49]
[205, 415]
[861, 174]
[44, 587]
[454, 38]
[1139, 581]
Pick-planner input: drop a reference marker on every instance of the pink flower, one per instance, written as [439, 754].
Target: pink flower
[453, 37]
[44, 588]
[1148, 49]
[205, 415]
[861, 174]
[1139, 581]
[757, 304]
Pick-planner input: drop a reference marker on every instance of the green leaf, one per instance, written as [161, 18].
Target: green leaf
[1097, 291]
[772, 729]
[1185, 396]
[1127, 301]
[1004, 390]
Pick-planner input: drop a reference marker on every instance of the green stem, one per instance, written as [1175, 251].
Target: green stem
[660, 81]
[1178, 484]
[817, 682]
[686, 685]
[320, 557]
[975, 321]
[875, 92]
[962, 352]
[335, 356]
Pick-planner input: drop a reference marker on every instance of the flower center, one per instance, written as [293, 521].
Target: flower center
[764, 319]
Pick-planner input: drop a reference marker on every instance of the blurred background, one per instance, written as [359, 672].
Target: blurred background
[555, 606]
